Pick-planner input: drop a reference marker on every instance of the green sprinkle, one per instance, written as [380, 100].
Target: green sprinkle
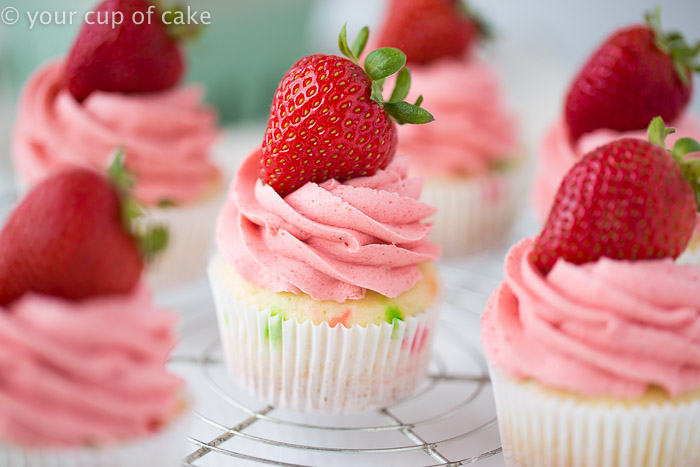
[394, 315]
[273, 330]
[393, 312]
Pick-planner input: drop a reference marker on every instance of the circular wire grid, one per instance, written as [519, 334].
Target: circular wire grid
[449, 420]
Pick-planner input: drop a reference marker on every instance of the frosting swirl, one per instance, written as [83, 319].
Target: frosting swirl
[167, 136]
[90, 372]
[333, 240]
[609, 328]
[557, 155]
[472, 133]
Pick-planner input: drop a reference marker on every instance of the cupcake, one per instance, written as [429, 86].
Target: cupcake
[469, 156]
[592, 337]
[111, 93]
[324, 285]
[630, 79]
[82, 345]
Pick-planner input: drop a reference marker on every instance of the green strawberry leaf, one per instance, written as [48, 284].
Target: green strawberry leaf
[657, 132]
[685, 57]
[118, 174]
[403, 84]
[153, 241]
[360, 42]
[343, 44]
[685, 146]
[403, 112]
[419, 101]
[384, 62]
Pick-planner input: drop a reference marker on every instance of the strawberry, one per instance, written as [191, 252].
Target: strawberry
[638, 73]
[330, 120]
[68, 239]
[127, 57]
[626, 200]
[427, 30]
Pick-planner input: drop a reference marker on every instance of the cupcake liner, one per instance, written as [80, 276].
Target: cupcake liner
[165, 449]
[473, 213]
[538, 429]
[316, 368]
[190, 228]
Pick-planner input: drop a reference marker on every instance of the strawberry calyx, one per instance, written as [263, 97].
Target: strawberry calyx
[379, 65]
[177, 32]
[484, 28]
[685, 58]
[690, 168]
[152, 240]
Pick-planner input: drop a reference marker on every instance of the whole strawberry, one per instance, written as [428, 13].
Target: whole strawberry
[126, 57]
[629, 199]
[637, 74]
[68, 238]
[330, 120]
[427, 30]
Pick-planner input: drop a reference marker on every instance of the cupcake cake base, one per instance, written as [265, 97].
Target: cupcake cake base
[309, 367]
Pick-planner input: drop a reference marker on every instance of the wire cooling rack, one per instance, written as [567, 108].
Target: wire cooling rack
[450, 420]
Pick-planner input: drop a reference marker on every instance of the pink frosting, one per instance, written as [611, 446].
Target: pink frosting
[332, 241]
[167, 136]
[472, 133]
[609, 328]
[557, 155]
[83, 373]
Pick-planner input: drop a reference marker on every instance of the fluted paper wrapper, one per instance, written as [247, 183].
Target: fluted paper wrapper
[539, 429]
[190, 242]
[473, 213]
[164, 449]
[316, 368]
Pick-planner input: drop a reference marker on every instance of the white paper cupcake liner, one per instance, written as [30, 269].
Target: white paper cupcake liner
[191, 235]
[316, 368]
[473, 213]
[165, 449]
[538, 429]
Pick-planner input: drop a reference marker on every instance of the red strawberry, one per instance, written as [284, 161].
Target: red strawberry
[329, 118]
[626, 200]
[68, 239]
[126, 58]
[427, 30]
[638, 73]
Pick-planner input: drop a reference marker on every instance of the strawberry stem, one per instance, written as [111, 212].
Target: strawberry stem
[177, 32]
[379, 65]
[685, 57]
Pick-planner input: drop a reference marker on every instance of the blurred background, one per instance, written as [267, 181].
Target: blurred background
[242, 55]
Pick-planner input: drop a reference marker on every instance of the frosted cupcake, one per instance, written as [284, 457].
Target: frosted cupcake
[469, 156]
[324, 285]
[623, 85]
[78, 110]
[593, 337]
[82, 345]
